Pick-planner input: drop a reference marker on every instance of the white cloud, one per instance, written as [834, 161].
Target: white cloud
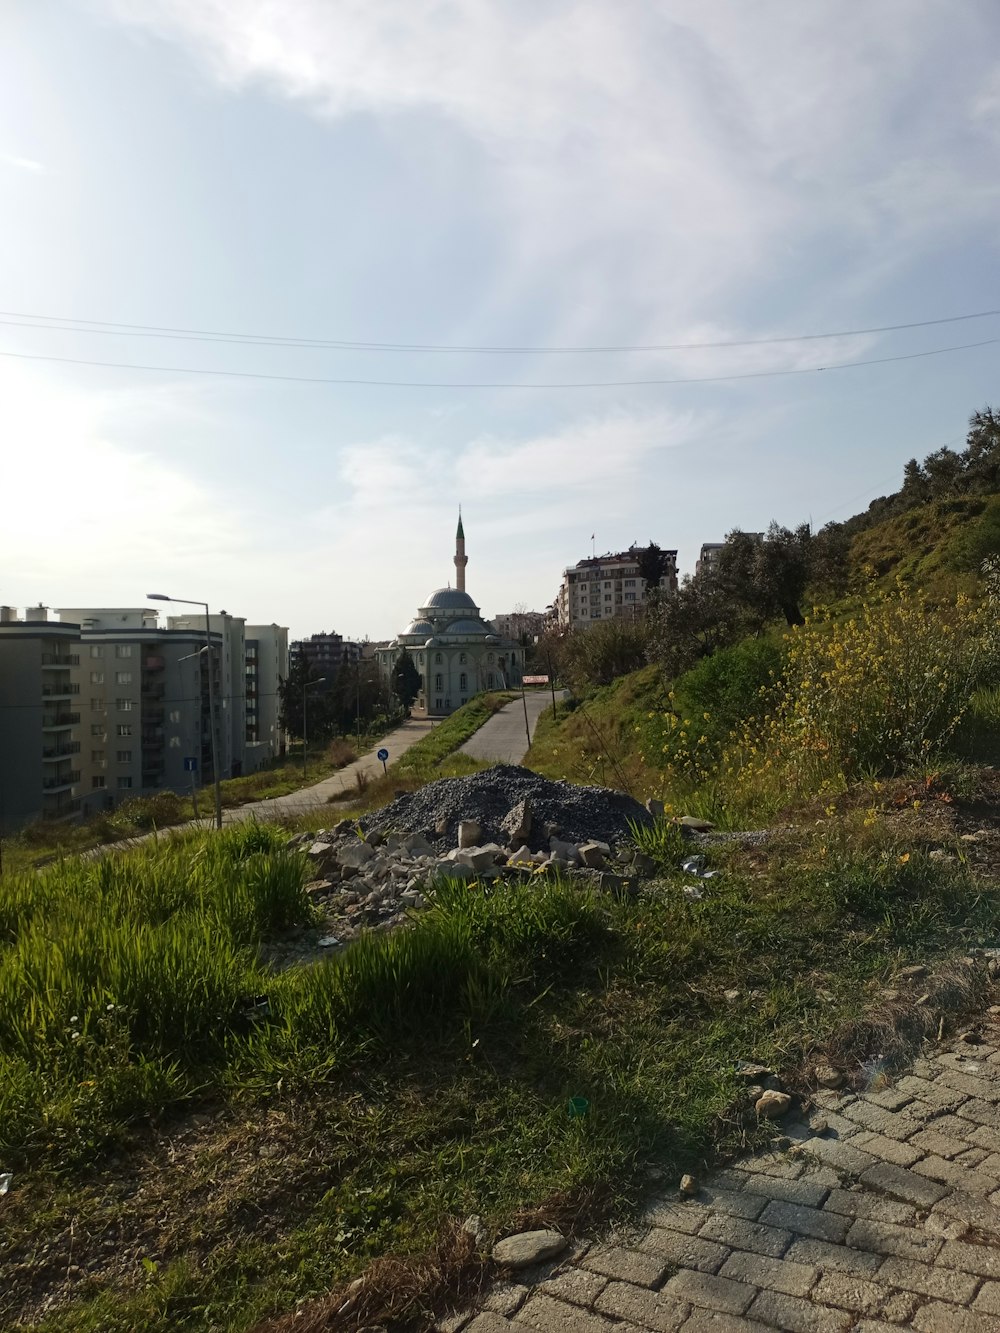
[21, 163]
[648, 160]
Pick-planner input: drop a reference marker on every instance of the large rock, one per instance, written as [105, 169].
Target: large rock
[564, 851]
[477, 858]
[354, 855]
[772, 1105]
[517, 824]
[591, 855]
[528, 1247]
[469, 833]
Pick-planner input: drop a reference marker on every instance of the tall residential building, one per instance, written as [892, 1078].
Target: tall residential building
[606, 586]
[708, 560]
[143, 704]
[230, 697]
[266, 665]
[520, 624]
[39, 718]
[327, 653]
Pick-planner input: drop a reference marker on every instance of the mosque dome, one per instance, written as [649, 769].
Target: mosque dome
[466, 627]
[419, 627]
[449, 598]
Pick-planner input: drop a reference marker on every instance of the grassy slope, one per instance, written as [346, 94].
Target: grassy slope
[918, 545]
[418, 1079]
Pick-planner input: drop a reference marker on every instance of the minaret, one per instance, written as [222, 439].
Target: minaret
[461, 559]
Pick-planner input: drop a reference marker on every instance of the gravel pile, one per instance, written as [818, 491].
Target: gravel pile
[576, 814]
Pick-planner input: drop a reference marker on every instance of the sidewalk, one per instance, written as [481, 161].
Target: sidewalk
[883, 1214]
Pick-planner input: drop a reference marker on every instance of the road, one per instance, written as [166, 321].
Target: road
[503, 740]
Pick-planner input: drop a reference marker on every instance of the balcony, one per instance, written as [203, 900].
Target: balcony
[152, 741]
[62, 780]
[153, 663]
[50, 752]
[60, 659]
[56, 720]
[60, 690]
[153, 715]
[156, 691]
[61, 807]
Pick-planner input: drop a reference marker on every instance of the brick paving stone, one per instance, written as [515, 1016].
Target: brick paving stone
[805, 1190]
[740, 1234]
[552, 1316]
[806, 1221]
[507, 1297]
[941, 1283]
[983, 1136]
[964, 1061]
[956, 1176]
[683, 1251]
[936, 1318]
[900, 1307]
[686, 1216]
[979, 1259]
[798, 1316]
[988, 1300]
[648, 1309]
[900, 1183]
[931, 1140]
[453, 1323]
[892, 1099]
[978, 1212]
[972, 1157]
[851, 1293]
[831, 1098]
[737, 1203]
[715, 1293]
[876, 1326]
[629, 1266]
[833, 1258]
[577, 1285]
[982, 1089]
[839, 1125]
[979, 1112]
[488, 1323]
[884, 1238]
[890, 1150]
[840, 1155]
[772, 1274]
[924, 1090]
[777, 1164]
[894, 1125]
[711, 1321]
[856, 1203]
[990, 1164]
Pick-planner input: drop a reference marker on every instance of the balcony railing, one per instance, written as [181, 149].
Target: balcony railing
[59, 720]
[62, 688]
[60, 659]
[61, 780]
[156, 691]
[60, 751]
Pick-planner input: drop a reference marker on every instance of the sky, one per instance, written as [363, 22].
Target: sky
[473, 174]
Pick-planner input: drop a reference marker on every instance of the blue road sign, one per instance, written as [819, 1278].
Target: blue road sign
[383, 754]
[190, 764]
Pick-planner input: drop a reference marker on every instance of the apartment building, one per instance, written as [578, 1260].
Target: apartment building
[708, 560]
[39, 718]
[143, 704]
[230, 697]
[606, 586]
[326, 652]
[519, 625]
[266, 649]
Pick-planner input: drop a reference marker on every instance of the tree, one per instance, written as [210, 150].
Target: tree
[405, 679]
[653, 564]
[700, 619]
[320, 711]
[829, 559]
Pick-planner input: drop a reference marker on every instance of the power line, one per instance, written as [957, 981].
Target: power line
[68, 324]
[502, 384]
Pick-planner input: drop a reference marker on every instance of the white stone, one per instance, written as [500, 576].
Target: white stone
[528, 1247]
[469, 833]
[354, 855]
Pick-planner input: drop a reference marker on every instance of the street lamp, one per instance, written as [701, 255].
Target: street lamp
[187, 601]
[305, 744]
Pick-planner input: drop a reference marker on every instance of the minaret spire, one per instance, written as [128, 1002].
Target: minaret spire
[461, 559]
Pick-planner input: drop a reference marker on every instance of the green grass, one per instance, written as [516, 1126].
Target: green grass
[423, 758]
[414, 1079]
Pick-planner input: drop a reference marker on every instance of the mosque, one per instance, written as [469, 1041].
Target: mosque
[455, 650]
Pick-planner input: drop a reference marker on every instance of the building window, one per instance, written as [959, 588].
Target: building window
[489, 681]
[123, 650]
[583, 587]
[630, 597]
[439, 681]
[124, 782]
[607, 597]
[463, 683]
[437, 704]
[124, 756]
[97, 706]
[98, 783]
[461, 659]
[490, 660]
[465, 701]
[123, 705]
[123, 678]
[97, 757]
[438, 658]
[97, 678]
[96, 650]
[124, 728]
[630, 583]
[97, 729]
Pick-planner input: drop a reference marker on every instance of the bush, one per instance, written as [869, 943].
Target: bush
[731, 686]
[601, 653]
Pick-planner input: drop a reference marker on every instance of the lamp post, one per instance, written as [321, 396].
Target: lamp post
[187, 601]
[305, 743]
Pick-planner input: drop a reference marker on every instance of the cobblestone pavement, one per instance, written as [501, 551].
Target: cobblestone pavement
[888, 1218]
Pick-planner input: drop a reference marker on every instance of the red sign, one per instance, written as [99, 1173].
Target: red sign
[535, 680]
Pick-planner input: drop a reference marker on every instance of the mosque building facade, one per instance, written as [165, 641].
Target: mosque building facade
[456, 652]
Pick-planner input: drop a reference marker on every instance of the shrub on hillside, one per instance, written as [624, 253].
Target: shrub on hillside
[730, 687]
[604, 651]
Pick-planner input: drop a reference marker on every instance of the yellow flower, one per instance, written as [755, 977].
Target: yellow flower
[904, 858]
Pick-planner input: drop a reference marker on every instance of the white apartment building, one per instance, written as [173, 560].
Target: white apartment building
[230, 696]
[39, 718]
[266, 649]
[606, 586]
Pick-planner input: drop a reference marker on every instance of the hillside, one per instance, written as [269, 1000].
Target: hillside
[924, 545]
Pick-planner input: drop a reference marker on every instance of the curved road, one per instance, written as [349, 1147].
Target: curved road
[504, 739]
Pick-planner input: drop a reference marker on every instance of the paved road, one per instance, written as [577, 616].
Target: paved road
[503, 738]
[885, 1216]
